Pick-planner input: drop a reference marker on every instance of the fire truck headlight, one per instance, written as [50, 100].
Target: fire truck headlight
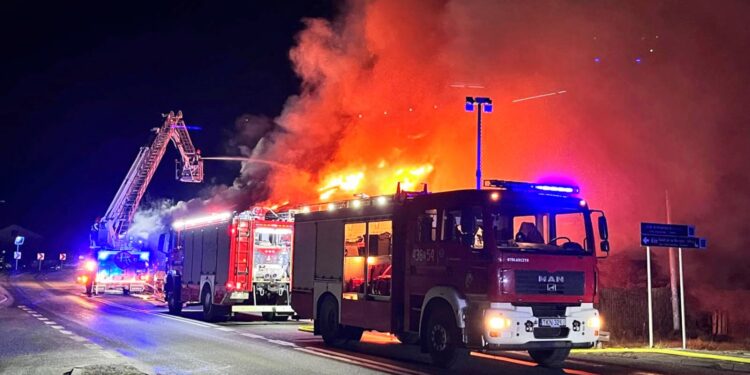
[497, 323]
[90, 265]
[594, 322]
[84, 279]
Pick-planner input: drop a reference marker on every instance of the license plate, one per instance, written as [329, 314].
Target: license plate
[552, 322]
[239, 295]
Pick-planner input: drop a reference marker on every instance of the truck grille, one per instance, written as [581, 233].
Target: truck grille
[565, 283]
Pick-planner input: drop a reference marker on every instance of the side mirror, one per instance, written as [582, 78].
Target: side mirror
[603, 231]
[604, 246]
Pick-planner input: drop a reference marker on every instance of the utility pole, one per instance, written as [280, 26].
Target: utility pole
[673, 274]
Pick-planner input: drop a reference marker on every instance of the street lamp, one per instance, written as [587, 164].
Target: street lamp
[480, 104]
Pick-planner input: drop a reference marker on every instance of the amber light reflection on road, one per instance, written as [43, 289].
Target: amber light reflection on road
[525, 363]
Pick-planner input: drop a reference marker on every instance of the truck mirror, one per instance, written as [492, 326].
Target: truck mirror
[603, 231]
[604, 246]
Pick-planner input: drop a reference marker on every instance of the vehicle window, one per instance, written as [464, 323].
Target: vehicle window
[427, 226]
[530, 228]
[465, 226]
[379, 260]
[354, 257]
[569, 230]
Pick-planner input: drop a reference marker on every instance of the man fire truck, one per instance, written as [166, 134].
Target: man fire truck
[122, 263]
[231, 263]
[509, 267]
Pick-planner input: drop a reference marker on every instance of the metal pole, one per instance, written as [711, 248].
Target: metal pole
[18, 249]
[40, 265]
[682, 301]
[673, 273]
[650, 307]
[479, 145]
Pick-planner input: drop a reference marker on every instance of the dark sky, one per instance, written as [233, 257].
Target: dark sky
[82, 84]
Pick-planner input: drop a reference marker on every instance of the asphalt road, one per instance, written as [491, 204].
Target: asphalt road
[48, 327]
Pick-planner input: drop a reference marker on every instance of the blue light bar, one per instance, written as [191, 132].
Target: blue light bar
[487, 107]
[529, 186]
[469, 106]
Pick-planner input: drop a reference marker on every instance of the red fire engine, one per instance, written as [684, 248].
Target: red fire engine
[509, 267]
[230, 263]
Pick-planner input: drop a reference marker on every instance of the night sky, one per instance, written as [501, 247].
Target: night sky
[82, 85]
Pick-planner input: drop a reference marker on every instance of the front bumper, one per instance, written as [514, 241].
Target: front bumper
[523, 330]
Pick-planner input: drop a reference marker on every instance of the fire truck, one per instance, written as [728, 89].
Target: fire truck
[119, 261]
[231, 263]
[512, 266]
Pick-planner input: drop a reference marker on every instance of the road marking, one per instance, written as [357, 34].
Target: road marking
[4, 299]
[253, 336]
[42, 318]
[357, 362]
[525, 363]
[159, 314]
[78, 338]
[57, 327]
[676, 352]
[21, 306]
[50, 322]
[64, 332]
[284, 343]
[225, 329]
[109, 354]
[92, 346]
[376, 364]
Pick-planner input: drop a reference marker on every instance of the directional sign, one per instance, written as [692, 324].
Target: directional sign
[673, 241]
[16, 255]
[677, 230]
[39, 256]
[63, 256]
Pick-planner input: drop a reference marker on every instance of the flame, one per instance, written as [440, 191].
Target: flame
[381, 180]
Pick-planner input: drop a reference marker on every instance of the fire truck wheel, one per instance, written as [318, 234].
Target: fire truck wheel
[353, 333]
[441, 336]
[174, 301]
[89, 288]
[552, 358]
[328, 320]
[212, 312]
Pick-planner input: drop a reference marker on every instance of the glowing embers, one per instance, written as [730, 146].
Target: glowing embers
[202, 220]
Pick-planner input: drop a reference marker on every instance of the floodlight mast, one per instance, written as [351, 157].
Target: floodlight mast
[479, 104]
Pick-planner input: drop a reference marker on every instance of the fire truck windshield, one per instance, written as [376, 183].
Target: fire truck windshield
[544, 231]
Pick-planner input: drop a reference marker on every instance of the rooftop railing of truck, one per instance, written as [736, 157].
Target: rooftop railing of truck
[555, 189]
[361, 200]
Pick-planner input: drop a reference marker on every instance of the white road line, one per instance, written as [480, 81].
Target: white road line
[342, 359]
[50, 322]
[78, 338]
[253, 336]
[4, 299]
[225, 329]
[21, 306]
[64, 332]
[284, 343]
[92, 346]
[369, 361]
[42, 318]
[177, 318]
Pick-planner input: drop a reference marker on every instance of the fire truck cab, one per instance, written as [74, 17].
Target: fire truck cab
[509, 267]
[230, 263]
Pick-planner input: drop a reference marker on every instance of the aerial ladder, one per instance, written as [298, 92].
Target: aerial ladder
[112, 228]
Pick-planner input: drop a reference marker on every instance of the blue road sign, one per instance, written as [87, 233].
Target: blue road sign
[676, 230]
[673, 241]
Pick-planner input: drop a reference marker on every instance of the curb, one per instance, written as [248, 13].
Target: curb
[306, 328]
[676, 352]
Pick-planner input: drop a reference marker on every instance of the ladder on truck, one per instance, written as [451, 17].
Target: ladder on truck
[119, 216]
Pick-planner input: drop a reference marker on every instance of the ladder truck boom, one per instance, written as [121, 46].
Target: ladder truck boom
[116, 221]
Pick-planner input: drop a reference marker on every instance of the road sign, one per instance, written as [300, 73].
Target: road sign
[19, 240]
[673, 241]
[39, 256]
[63, 256]
[676, 230]
[16, 255]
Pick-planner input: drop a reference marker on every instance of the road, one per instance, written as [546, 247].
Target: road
[48, 327]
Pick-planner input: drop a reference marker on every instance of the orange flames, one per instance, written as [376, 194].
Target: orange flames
[381, 180]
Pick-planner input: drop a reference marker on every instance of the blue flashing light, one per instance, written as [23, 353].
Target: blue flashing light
[469, 106]
[597, 59]
[637, 60]
[529, 186]
[487, 107]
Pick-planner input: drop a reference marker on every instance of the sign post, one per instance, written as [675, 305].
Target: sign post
[17, 255]
[63, 256]
[668, 236]
[40, 258]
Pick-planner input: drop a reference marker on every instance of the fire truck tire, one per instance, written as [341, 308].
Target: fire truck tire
[125, 291]
[174, 300]
[353, 333]
[211, 311]
[328, 320]
[552, 358]
[89, 288]
[441, 336]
